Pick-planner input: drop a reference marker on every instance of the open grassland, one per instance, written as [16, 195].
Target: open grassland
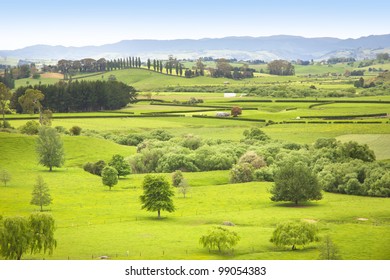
[93, 221]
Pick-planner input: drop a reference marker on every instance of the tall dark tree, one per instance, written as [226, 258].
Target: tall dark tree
[148, 63]
[181, 69]
[161, 66]
[154, 64]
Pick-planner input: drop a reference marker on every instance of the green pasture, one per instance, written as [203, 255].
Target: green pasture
[93, 221]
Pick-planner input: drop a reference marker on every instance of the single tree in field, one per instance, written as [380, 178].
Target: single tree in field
[235, 111]
[31, 101]
[15, 238]
[42, 233]
[294, 233]
[295, 182]
[109, 176]
[219, 238]
[184, 188]
[5, 96]
[121, 165]
[328, 250]
[40, 195]
[157, 194]
[177, 178]
[5, 177]
[50, 148]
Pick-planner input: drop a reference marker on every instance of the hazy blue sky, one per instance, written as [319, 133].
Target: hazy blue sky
[80, 23]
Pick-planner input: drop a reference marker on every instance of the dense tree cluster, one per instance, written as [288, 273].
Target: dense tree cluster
[7, 79]
[225, 70]
[334, 60]
[281, 68]
[80, 96]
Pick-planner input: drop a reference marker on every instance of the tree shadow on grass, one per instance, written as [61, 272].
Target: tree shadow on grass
[299, 205]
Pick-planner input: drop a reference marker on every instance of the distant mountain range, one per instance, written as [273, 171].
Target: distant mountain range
[246, 48]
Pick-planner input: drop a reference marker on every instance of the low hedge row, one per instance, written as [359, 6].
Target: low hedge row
[345, 116]
[229, 118]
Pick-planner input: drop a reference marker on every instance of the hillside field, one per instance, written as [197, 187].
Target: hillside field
[92, 221]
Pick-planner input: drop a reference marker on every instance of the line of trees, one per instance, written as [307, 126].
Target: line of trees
[79, 96]
[89, 65]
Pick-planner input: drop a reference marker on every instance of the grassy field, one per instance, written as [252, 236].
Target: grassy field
[93, 221]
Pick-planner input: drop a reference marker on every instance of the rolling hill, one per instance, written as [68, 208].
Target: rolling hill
[264, 48]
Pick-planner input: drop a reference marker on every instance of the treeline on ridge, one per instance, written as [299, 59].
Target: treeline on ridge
[80, 96]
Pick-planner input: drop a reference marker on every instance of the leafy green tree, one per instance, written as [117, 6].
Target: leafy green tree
[354, 150]
[109, 176]
[294, 234]
[157, 194]
[5, 177]
[177, 178]
[50, 148]
[42, 228]
[15, 238]
[31, 101]
[219, 238]
[328, 250]
[295, 182]
[5, 97]
[40, 194]
[121, 165]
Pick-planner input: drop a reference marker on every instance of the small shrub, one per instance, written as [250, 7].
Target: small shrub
[61, 129]
[30, 128]
[5, 124]
[75, 130]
